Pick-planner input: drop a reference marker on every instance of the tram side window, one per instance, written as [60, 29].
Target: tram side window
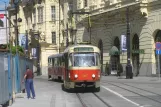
[55, 62]
[59, 61]
[70, 60]
[52, 61]
[62, 61]
[49, 62]
[97, 59]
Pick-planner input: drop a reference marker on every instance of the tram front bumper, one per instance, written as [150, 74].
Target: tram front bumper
[86, 84]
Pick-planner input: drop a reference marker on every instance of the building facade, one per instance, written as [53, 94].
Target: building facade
[42, 23]
[106, 23]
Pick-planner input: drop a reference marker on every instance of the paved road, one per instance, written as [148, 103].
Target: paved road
[115, 92]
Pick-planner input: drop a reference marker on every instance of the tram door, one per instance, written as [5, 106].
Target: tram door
[66, 67]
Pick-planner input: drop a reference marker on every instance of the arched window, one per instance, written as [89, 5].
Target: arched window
[158, 39]
[135, 56]
[135, 42]
[100, 46]
[117, 43]
[158, 36]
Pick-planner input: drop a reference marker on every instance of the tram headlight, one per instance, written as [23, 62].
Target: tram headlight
[93, 76]
[69, 75]
[76, 76]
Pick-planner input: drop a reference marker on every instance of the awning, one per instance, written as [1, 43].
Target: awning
[114, 51]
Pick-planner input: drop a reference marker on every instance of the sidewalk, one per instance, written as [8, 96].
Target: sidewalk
[43, 90]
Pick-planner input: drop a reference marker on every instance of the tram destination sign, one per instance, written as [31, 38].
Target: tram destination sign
[83, 49]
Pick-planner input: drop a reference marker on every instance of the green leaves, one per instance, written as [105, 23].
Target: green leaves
[18, 48]
[7, 47]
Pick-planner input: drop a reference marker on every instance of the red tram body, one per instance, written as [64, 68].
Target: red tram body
[78, 66]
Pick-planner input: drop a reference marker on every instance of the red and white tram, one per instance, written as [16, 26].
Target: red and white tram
[78, 66]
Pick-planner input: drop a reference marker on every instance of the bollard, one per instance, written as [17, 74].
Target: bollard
[14, 96]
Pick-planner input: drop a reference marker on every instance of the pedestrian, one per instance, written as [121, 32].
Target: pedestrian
[107, 69]
[29, 82]
[120, 69]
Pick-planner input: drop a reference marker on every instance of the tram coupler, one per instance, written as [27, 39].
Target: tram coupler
[83, 85]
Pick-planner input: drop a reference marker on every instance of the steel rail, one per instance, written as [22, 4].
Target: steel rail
[135, 92]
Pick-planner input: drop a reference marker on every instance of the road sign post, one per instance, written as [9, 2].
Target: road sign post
[1, 16]
[158, 53]
[158, 66]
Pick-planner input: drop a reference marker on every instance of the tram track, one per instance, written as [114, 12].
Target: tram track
[101, 100]
[81, 100]
[84, 105]
[137, 92]
[141, 89]
[136, 88]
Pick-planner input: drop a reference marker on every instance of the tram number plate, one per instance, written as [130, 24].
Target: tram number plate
[85, 75]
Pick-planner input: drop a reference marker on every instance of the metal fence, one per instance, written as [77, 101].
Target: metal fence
[12, 70]
[19, 71]
[4, 89]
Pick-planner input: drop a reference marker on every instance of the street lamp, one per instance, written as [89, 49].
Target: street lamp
[36, 38]
[16, 20]
[129, 73]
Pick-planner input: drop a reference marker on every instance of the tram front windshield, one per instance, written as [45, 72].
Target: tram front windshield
[84, 59]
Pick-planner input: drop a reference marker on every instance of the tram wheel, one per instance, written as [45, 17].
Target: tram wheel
[97, 89]
[49, 77]
[63, 88]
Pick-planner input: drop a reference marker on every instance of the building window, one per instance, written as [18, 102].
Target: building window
[85, 3]
[70, 6]
[40, 14]
[53, 38]
[39, 1]
[53, 13]
[34, 16]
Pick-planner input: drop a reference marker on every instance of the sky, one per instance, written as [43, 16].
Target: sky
[2, 4]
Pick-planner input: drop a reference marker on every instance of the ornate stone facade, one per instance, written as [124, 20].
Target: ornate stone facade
[108, 23]
[41, 16]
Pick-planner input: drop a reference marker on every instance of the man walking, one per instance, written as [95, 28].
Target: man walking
[29, 82]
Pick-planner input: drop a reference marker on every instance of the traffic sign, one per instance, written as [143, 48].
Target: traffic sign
[1, 16]
[158, 52]
[158, 45]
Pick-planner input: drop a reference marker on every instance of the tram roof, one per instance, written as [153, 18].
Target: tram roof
[70, 47]
[55, 55]
[76, 46]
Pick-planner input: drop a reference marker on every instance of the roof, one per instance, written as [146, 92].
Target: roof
[56, 55]
[70, 47]
[75, 46]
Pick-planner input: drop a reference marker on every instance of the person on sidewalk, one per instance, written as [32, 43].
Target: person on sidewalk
[29, 83]
[120, 69]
